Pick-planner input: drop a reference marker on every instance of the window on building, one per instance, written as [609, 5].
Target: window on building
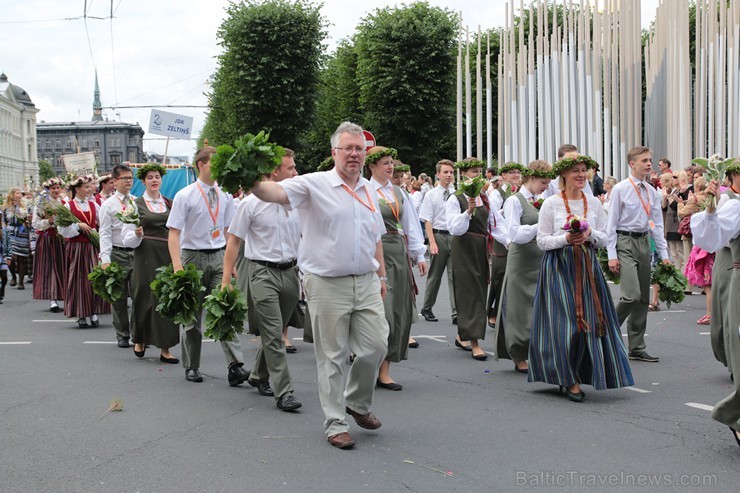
[96, 143]
[115, 159]
[70, 144]
[132, 156]
[58, 144]
[48, 143]
[115, 142]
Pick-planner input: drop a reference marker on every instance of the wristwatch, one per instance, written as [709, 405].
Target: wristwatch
[383, 278]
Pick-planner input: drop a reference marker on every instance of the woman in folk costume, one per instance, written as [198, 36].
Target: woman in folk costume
[712, 230]
[514, 318]
[402, 242]
[16, 223]
[81, 255]
[473, 224]
[721, 277]
[150, 243]
[48, 264]
[575, 337]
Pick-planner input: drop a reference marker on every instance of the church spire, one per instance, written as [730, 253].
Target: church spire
[97, 106]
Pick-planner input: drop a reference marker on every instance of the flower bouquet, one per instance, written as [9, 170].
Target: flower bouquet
[471, 187]
[63, 217]
[109, 283]
[244, 164]
[226, 311]
[716, 168]
[537, 204]
[129, 215]
[575, 224]
[178, 293]
[671, 282]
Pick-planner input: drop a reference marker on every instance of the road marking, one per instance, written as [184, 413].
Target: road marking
[637, 389]
[625, 335]
[703, 333]
[46, 320]
[18, 343]
[441, 339]
[703, 407]
[673, 311]
[298, 338]
[100, 342]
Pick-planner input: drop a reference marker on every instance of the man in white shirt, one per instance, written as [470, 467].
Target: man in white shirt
[635, 211]
[271, 235]
[112, 248]
[199, 224]
[432, 213]
[341, 255]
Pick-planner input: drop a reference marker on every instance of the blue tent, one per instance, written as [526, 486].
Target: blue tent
[172, 182]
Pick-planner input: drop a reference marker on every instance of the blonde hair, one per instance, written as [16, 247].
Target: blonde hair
[537, 165]
[666, 179]
[700, 184]
[682, 177]
[9, 198]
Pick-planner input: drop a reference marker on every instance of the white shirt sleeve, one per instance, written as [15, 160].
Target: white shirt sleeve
[412, 229]
[497, 227]
[129, 238]
[38, 223]
[598, 228]
[546, 229]
[105, 218]
[713, 231]
[426, 210]
[615, 209]
[69, 231]
[457, 220]
[518, 233]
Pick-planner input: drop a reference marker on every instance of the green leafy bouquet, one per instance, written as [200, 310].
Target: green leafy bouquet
[244, 164]
[129, 215]
[471, 187]
[226, 311]
[63, 217]
[110, 283]
[178, 293]
[603, 257]
[671, 282]
[716, 168]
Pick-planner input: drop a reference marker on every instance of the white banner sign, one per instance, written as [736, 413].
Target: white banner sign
[80, 164]
[170, 124]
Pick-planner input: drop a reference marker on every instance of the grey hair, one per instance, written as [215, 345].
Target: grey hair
[345, 128]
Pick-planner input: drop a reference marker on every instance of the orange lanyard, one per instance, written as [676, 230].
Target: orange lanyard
[390, 206]
[160, 207]
[369, 204]
[214, 215]
[639, 195]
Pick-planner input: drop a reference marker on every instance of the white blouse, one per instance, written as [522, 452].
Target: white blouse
[550, 232]
[714, 231]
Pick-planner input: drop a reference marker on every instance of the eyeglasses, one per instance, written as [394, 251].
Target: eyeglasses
[126, 178]
[349, 150]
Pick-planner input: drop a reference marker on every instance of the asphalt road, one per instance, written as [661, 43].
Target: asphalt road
[458, 424]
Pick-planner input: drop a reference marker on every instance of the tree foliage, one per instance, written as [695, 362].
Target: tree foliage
[406, 79]
[46, 170]
[268, 71]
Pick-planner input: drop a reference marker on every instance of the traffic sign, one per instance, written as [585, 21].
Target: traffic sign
[369, 139]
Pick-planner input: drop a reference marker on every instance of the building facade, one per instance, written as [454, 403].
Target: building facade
[18, 159]
[112, 142]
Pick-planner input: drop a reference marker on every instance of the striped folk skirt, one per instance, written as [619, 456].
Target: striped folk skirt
[559, 352]
[79, 300]
[48, 268]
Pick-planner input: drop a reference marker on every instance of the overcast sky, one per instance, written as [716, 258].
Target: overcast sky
[153, 52]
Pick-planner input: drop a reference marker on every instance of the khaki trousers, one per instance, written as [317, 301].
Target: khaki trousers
[437, 265]
[347, 315]
[634, 271]
[121, 317]
[191, 337]
[273, 296]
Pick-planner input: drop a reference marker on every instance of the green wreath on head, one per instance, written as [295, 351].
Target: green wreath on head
[469, 164]
[326, 164]
[401, 168]
[568, 162]
[734, 168]
[141, 173]
[511, 166]
[537, 173]
[378, 155]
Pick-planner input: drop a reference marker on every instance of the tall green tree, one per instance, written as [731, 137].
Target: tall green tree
[268, 71]
[46, 170]
[406, 77]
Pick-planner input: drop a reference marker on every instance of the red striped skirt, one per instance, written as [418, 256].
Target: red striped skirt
[79, 300]
[48, 268]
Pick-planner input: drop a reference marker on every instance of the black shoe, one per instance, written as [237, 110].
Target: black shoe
[389, 386]
[263, 388]
[94, 321]
[467, 347]
[454, 320]
[414, 344]
[479, 357]
[291, 349]
[193, 375]
[54, 308]
[139, 354]
[288, 403]
[123, 343]
[575, 397]
[643, 356]
[237, 374]
[429, 316]
[492, 324]
[82, 323]
[172, 361]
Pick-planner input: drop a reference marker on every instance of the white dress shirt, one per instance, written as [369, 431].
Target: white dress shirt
[458, 219]
[518, 233]
[714, 231]
[495, 198]
[409, 220]
[271, 232]
[39, 221]
[626, 213]
[550, 232]
[190, 214]
[111, 228]
[73, 230]
[416, 198]
[433, 207]
[340, 234]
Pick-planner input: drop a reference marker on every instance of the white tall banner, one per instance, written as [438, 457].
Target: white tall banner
[170, 124]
